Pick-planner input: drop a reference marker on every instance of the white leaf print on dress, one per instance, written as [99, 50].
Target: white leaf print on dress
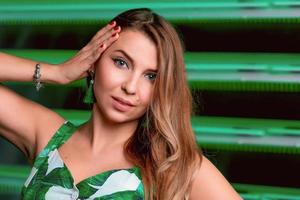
[54, 161]
[61, 193]
[117, 182]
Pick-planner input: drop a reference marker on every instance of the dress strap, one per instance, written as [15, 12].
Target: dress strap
[65, 131]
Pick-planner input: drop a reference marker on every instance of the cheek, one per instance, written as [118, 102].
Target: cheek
[107, 77]
[146, 93]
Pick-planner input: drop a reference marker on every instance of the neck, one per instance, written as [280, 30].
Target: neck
[102, 133]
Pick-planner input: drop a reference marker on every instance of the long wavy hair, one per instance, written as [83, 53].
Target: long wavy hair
[164, 144]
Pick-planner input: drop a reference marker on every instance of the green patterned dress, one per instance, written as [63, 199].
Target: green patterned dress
[50, 179]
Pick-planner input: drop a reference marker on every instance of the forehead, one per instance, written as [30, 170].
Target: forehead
[138, 46]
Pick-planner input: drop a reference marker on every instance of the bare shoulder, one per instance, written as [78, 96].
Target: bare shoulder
[210, 184]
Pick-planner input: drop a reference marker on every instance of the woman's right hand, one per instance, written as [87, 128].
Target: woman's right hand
[76, 67]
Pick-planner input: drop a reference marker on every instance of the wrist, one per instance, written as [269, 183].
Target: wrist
[52, 74]
[60, 75]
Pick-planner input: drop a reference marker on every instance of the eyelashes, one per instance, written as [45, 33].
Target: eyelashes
[151, 76]
[120, 63]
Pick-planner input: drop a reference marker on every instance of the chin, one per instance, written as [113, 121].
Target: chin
[116, 117]
[113, 118]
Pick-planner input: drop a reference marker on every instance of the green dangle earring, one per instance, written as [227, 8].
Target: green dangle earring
[89, 97]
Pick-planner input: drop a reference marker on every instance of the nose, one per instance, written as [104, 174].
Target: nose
[130, 85]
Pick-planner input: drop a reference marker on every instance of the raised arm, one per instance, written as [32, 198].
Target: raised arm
[27, 124]
[13, 68]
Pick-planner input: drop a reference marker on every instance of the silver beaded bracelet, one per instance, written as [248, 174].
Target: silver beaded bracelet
[37, 77]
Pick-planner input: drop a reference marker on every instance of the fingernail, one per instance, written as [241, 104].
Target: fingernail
[113, 35]
[112, 23]
[116, 28]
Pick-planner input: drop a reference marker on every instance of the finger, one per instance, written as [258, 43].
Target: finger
[98, 52]
[106, 44]
[109, 34]
[108, 28]
[112, 39]
[104, 30]
[103, 39]
[87, 59]
[95, 44]
[90, 56]
[92, 47]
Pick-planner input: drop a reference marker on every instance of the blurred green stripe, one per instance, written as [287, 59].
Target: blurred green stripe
[268, 192]
[95, 12]
[214, 71]
[232, 134]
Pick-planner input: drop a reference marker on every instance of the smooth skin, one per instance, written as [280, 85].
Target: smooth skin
[125, 64]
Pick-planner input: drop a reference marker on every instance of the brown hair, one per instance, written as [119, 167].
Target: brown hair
[164, 145]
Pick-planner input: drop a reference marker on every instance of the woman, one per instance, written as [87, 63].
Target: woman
[138, 143]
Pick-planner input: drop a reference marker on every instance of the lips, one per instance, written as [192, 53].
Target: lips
[123, 101]
[121, 104]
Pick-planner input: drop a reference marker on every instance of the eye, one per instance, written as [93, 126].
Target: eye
[120, 63]
[151, 76]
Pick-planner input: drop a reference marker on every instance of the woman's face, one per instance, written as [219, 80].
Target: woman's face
[124, 77]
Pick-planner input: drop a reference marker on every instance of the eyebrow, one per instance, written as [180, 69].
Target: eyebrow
[130, 58]
[125, 54]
